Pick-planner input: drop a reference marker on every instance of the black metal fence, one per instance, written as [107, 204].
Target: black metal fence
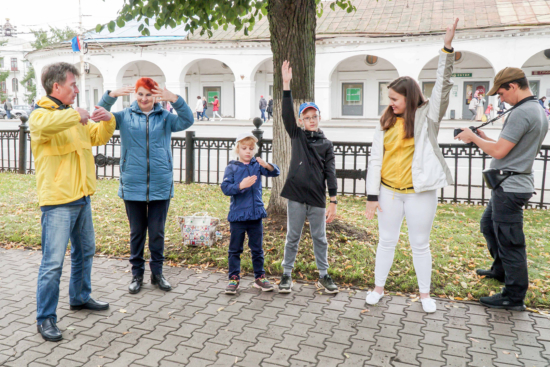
[203, 160]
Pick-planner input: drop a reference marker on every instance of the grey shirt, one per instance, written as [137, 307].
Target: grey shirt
[526, 126]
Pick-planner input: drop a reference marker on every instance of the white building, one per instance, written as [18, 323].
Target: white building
[12, 59]
[358, 54]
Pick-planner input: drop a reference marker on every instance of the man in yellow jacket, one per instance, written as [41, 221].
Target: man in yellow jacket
[61, 140]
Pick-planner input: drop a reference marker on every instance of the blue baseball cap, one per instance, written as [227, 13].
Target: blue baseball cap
[306, 105]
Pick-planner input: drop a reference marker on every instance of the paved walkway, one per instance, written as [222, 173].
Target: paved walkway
[198, 325]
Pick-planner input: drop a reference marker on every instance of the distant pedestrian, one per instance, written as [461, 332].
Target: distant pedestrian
[216, 108]
[269, 108]
[199, 108]
[204, 108]
[8, 107]
[263, 106]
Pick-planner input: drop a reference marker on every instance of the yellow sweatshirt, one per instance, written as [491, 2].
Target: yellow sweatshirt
[398, 155]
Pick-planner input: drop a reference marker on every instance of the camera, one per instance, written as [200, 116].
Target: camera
[473, 128]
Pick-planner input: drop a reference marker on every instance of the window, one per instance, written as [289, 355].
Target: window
[383, 98]
[352, 99]
[1, 62]
[13, 64]
[427, 88]
[15, 85]
[3, 86]
[271, 91]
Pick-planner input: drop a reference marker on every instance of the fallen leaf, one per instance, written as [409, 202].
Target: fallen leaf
[474, 340]
[126, 332]
[70, 328]
[365, 310]
[347, 355]
[221, 308]
[122, 310]
[517, 355]
[505, 352]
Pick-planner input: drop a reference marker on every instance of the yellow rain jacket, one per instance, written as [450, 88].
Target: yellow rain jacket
[62, 149]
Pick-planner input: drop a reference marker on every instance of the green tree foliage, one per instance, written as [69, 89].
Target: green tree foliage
[30, 84]
[203, 15]
[3, 76]
[45, 38]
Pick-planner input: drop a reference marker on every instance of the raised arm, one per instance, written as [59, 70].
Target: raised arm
[289, 118]
[439, 101]
[109, 98]
[44, 124]
[184, 118]
[101, 132]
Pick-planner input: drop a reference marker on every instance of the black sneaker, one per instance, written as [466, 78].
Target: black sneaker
[285, 286]
[327, 283]
[490, 274]
[233, 285]
[503, 302]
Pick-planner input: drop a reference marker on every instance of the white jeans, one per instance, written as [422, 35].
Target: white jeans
[215, 113]
[419, 209]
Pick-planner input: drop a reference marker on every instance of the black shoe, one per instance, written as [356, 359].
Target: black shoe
[135, 286]
[285, 285]
[490, 274]
[327, 283]
[503, 302]
[92, 304]
[161, 282]
[49, 331]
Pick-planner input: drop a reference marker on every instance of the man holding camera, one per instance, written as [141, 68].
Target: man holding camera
[513, 156]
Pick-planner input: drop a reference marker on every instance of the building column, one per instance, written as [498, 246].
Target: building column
[244, 95]
[322, 98]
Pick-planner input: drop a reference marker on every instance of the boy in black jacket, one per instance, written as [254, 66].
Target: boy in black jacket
[311, 167]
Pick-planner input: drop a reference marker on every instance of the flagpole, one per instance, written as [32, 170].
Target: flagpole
[83, 102]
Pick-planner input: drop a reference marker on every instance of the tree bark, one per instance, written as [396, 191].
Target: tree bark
[292, 27]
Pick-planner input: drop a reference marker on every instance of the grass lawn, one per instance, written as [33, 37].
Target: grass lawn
[458, 248]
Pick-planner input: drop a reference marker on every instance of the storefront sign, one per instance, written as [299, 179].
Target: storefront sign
[462, 75]
[353, 94]
[211, 95]
[541, 72]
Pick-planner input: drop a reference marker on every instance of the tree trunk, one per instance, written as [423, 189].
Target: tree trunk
[292, 28]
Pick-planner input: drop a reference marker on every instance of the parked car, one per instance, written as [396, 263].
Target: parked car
[21, 110]
[3, 114]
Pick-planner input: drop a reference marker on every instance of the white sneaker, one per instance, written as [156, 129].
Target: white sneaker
[373, 297]
[428, 304]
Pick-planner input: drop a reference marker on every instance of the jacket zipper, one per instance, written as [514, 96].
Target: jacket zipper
[252, 188]
[148, 166]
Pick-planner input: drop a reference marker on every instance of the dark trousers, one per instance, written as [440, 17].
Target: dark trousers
[255, 231]
[502, 227]
[147, 217]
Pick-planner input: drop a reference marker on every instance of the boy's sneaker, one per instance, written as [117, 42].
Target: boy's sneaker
[233, 285]
[263, 284]
[327, 283]
[285, 285]
[503, 302]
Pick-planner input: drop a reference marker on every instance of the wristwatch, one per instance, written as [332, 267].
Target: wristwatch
[334, 202]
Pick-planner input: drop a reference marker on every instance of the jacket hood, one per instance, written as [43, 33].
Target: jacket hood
[46, 102]
[135, 107]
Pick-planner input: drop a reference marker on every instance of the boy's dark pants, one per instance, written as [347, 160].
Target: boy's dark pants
[255, 231]
[502, 227]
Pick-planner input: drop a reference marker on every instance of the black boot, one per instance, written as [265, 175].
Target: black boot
[135, 286]
[49, 331]
[490, 274]
[161, 282]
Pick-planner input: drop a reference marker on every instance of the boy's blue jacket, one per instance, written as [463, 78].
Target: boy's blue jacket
[246, 204]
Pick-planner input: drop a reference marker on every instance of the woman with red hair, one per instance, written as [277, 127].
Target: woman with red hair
[146, 172]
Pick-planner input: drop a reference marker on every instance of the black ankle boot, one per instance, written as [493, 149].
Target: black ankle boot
[161, 282]
[135, 286]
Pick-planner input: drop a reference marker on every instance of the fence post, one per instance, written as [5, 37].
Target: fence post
[23, 131]
[189, 157]
[258, 133]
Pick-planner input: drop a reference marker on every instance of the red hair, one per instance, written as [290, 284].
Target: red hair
[146, 83]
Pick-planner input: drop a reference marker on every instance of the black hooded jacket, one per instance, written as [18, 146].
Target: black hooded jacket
[312, 164]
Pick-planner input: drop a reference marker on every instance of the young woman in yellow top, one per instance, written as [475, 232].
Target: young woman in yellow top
[405, 170]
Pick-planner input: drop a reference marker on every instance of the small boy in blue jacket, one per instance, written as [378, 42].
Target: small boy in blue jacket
[242, 182]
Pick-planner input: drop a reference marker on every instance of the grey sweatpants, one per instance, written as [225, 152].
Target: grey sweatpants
[296, 217]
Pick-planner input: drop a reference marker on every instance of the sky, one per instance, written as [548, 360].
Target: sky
[36, 14]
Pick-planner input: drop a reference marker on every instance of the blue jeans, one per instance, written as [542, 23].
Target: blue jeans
[8, 112]
[263, 114]
[255, 231]
[58, 226]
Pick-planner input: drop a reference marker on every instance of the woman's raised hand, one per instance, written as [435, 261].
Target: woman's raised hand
[164, 95]
[450, 34]
[287, 74]
[124, 91]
